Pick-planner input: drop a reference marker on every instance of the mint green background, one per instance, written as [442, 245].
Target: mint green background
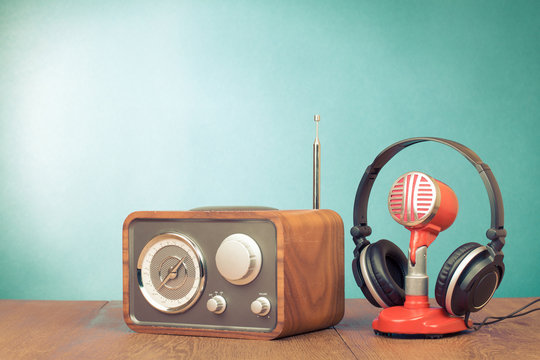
[107, 107]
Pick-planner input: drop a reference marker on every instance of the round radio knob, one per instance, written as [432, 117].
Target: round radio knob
[239, 259]
[216, 304]
[261, 306]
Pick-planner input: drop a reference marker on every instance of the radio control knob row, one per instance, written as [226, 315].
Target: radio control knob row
[217, 305]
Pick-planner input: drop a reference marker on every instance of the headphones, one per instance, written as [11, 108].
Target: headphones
[470, 275]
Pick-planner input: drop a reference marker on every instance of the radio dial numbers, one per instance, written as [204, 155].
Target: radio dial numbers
[171, 273]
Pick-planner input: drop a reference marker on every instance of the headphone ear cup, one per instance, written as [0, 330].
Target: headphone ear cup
[358, 270]
[468, 279]
[448, 269]
[384, 268]
[362, 284]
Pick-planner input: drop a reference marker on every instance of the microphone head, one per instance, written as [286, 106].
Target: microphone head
[417, 199]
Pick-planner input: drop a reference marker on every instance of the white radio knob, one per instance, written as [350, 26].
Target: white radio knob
[239, 259]
[261, 306]
[216, 304]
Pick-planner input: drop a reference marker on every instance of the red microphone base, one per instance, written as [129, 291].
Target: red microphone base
[417, 318]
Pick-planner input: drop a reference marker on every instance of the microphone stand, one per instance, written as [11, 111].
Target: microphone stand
[416, 317]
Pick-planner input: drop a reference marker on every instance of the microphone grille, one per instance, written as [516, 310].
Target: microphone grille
[413, 199]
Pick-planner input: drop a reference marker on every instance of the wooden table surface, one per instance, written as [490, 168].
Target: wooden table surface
[95, 329]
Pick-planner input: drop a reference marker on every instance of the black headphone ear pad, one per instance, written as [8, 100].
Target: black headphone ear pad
[448, 268]
[361, 282]
[388, 269]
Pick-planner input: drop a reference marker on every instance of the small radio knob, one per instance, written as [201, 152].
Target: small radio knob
[216, 304]
[239, 259]
[261, 306]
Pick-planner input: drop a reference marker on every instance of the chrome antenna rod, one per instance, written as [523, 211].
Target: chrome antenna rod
[317, 166]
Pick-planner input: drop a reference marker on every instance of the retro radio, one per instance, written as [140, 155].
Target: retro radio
[255, 273]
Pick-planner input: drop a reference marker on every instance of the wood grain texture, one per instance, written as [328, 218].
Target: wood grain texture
[314, 295]
[92, 330]
[510, 339]
[310, 270]
[77, 330]
[42, 329]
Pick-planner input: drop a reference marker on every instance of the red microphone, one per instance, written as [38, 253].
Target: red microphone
[424, 205]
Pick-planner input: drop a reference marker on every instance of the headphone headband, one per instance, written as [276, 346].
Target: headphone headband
[496, 233]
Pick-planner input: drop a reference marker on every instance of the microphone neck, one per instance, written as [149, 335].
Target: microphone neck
[422, 237]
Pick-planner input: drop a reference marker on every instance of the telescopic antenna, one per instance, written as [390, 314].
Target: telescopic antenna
[317, 166]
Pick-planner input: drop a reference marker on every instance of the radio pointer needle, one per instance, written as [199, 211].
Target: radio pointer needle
[172, 274]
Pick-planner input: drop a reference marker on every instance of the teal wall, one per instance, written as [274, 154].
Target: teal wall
[113, 106]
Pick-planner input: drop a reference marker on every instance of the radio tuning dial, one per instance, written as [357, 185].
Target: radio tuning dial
[239, 259]
[216, 304]
[171, 273]
[261, 306]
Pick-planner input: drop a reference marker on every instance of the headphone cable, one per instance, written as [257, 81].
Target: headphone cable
[488, 320]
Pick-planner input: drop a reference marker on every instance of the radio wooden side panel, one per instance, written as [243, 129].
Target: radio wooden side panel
[313, 265]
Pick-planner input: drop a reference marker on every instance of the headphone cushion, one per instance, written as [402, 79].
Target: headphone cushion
[361, 282]
[448, 269]
[388, 269]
